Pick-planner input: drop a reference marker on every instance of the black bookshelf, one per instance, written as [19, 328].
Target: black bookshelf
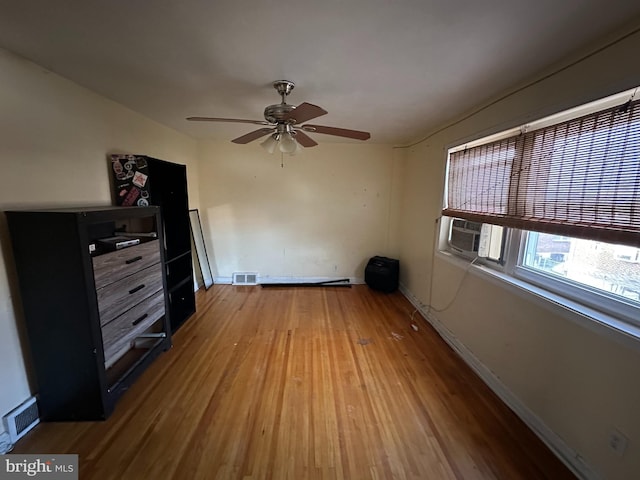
[168, 190]
[143, 180]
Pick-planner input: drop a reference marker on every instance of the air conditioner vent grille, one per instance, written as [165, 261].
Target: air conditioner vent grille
[19, 421]
[245, 278]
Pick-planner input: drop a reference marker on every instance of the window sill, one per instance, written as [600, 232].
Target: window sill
[582, 315]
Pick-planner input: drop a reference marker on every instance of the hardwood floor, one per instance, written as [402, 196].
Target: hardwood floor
[304, 383]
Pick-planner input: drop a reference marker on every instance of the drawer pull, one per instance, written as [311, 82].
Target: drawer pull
[137, 289]
[137, 321]
[133, 260]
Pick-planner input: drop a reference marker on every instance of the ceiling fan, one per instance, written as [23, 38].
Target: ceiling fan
[283, 124]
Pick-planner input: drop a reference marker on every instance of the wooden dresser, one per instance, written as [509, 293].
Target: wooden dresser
[95, 311]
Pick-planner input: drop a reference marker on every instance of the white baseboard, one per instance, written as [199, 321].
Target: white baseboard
[268, 279]
[557, 445]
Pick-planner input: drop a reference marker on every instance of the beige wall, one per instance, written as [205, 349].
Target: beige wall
[580, 384]
[322, 215]
[54, 141]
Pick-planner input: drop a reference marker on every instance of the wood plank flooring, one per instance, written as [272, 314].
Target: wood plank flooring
[304, 383]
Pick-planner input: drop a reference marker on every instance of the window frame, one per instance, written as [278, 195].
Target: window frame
[582, 300]
[573, 290]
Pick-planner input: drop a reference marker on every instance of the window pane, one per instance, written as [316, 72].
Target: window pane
[613, 269]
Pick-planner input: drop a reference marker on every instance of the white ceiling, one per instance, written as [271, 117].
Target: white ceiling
[393, 67]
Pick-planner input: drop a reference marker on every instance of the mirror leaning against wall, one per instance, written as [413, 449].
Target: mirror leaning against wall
[201, 250]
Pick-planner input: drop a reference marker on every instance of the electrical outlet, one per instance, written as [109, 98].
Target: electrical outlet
[618, 442]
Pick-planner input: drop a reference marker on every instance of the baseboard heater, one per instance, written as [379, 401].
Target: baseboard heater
[343, 282]
[22, 419]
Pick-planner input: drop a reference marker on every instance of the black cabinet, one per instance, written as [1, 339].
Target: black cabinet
[168, 190]
[94, 297]
[143, 180]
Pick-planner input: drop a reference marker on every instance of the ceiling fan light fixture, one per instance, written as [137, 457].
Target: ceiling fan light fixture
[270, 143]
[297, 150]
[287, 143]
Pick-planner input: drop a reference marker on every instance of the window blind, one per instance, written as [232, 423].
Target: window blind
[578, 178]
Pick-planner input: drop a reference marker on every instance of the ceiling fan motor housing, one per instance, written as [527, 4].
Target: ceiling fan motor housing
[276, 113]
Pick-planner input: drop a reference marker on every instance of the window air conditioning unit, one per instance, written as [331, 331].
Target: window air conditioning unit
[465, 237]
[475, 239]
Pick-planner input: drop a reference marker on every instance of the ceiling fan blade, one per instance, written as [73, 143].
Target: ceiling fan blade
[229, 120]
[251, 136]
[305, 112]
[304, 139]
[340, 132]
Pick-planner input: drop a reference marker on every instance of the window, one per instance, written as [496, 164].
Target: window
[557, 204]
[583, 270]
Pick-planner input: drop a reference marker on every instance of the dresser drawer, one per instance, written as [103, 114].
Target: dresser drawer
[118, 297]
[117, 334]
[113, 266]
